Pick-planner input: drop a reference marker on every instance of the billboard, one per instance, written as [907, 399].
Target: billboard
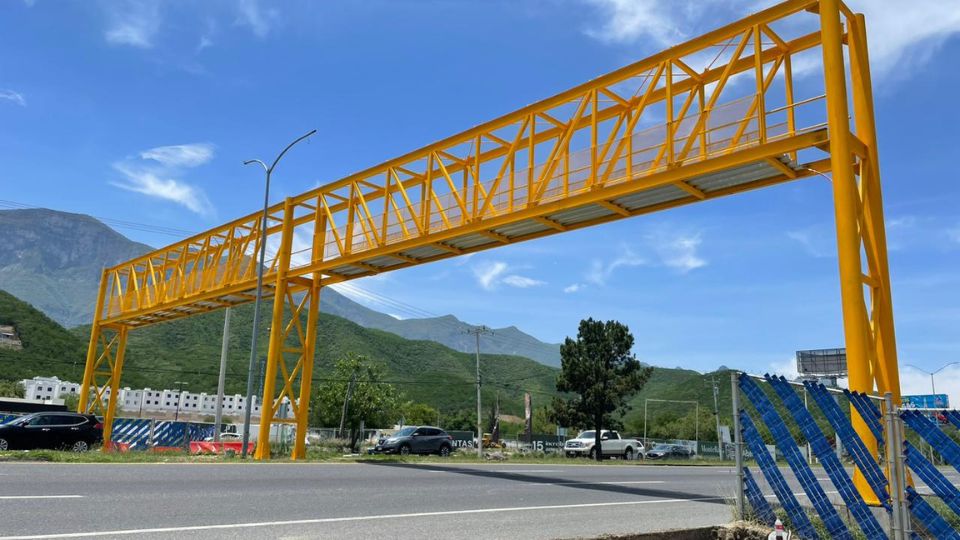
[927, 401]
[463, 439]
[822, 362]
[540, 442]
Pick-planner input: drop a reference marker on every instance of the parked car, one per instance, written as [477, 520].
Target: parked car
[611, 444]
[662, 451]
[60, 430]
[416, 440]
[227, 436]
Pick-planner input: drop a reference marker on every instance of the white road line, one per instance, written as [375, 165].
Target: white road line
[347, 519]
[598, 483]
[14, 497]
[524, 471]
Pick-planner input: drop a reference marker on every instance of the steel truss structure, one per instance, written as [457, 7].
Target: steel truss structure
[758, 102]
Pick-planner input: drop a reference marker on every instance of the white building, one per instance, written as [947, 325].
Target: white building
[143, 400]
[47, 388]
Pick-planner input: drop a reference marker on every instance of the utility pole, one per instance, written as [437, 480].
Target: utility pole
[716, 412]
[346, 402]
[221, 382]
[259, 295]
[180, 384]
[477, 331]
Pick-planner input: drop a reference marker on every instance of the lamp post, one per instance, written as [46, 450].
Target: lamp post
[259, 294]
[180, 385]
[933, 387]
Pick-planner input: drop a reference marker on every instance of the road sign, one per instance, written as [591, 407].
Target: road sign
[463, 439]
[927, 401]
[822, 362]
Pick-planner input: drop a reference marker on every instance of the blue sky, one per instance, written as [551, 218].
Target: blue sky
[144, 110]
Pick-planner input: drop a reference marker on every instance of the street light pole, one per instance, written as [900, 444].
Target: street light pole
[248, 408]
[222, 378]
[933, 387]
[180, 384]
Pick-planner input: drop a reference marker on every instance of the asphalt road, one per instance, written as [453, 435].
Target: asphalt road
[356, 500]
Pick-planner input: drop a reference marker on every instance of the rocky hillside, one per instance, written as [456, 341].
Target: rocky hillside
[53, 260]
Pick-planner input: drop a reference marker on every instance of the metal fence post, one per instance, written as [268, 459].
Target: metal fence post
[893, 474]
[737, 442]
[906, 519]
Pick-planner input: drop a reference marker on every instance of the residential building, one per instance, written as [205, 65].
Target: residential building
[138, 400]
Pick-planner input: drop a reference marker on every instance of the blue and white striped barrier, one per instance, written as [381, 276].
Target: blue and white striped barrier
[141, 434]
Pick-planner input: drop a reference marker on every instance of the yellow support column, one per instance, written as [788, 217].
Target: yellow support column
[115, 373]
[847, 211]
[84, 406]
[886, 373]
[306, 373]
[274, 351]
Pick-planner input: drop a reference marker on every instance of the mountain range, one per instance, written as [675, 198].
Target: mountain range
[53, 261]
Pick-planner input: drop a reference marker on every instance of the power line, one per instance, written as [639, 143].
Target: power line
[419, 313]
[142, 227]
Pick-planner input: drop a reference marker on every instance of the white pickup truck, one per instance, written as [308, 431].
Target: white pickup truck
[610, 441]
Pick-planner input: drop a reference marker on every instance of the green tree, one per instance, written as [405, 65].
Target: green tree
[71, 402]
[462, 420]
[418, 413]
[12, 389]
[542, 422]
[602, 373]
[373, 402]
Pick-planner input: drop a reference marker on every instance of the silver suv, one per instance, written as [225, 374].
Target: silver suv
[416, 440]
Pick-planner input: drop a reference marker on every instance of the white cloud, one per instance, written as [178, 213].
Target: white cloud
[491, 274]
[259, 20]
[679, 251]
[572, 288]
[148, 182]
[204, 43]
[488, 273]
[158, 171]
[600, 272]
[954, 234]
[627, 21]
[180, 155]
[899, 39]
[914, 382]
[522, 282]
[905, 38]
[663, 247]
[786, 368]
[15, 97]
[133, 22]
[816, 241]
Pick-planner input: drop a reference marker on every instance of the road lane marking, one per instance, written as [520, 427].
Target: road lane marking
[13, 497]
[526, 471]
[600, 483]
[505, 471]
[318, 521]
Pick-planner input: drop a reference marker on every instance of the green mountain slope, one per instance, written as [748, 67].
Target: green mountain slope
[48, 348]
[189, 350]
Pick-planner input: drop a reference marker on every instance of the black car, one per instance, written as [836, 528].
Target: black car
[59, 430]
[416, 440]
